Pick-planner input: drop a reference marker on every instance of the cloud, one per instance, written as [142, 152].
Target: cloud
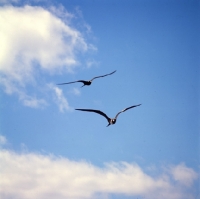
[90, 63]
[76, 91]
[3, 140]
[183, 175]
[33, 102]
[36, 41]
[9, 1]
[31, 175]
[59, 98]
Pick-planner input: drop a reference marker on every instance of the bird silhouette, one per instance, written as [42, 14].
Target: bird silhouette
[110, 120]
[87, 83]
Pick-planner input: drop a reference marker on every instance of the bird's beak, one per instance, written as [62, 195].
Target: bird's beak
[108, 125]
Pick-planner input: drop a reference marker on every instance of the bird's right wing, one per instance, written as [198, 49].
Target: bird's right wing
[72, 82]
[95, 111]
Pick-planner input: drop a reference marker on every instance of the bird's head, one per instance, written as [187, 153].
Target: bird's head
[113, 121]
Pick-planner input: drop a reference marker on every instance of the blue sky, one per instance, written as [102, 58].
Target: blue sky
[49, 150]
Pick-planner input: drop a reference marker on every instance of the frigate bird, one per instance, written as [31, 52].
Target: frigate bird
[110, 120]
[87, 83]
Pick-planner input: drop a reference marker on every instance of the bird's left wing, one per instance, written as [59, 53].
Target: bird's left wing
[126, 110]
[103, 75]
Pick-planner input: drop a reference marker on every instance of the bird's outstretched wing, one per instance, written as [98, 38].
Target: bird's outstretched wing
[103, 75]
[95, 111]
[83, 81]
[126, 110]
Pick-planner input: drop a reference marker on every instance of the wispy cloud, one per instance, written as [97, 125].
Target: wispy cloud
[35, 40]
[76, 91]
[31, 175]
[9, 1]
[90, 63]
[59, 98]
[183, 175]
[3, 140]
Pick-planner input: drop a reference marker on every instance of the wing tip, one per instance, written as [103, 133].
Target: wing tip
[114, 71]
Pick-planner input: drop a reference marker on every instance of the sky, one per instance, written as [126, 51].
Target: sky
[50, 150]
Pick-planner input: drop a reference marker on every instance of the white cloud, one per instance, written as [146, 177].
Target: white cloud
[35, 40]
[9, 1]
[59, 98]
[3, 140]
[76, 91]
[31, 175]
[34, 102]
[90, 63]
[183, 175]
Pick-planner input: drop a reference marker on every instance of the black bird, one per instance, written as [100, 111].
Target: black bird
[87, 83]
[110, 120]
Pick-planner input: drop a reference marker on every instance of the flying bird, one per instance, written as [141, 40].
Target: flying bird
[87, 83]
[110, 120]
